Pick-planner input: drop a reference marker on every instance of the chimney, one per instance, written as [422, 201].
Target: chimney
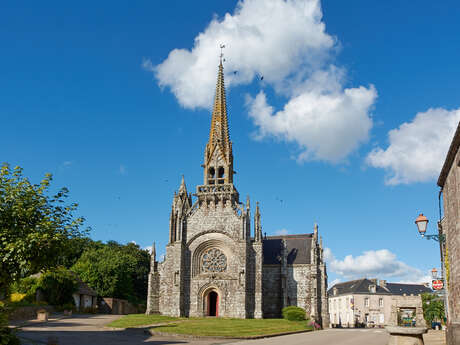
[383, 283]
[374, 281]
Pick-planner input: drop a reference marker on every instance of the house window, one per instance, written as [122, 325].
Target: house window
[366, 302]
[380, 302]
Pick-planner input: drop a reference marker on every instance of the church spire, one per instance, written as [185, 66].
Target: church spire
[218, 133]
[218, 154]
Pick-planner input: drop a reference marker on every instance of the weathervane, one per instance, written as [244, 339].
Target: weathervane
[222, 46]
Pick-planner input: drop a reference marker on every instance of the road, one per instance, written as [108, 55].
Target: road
[90, 330]
[326, 337]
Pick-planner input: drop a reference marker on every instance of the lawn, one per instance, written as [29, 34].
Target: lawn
[134, 320]
[233, 328]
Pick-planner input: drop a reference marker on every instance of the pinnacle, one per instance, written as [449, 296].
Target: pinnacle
[182, 188]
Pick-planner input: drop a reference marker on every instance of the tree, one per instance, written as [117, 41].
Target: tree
[35, 226]
[433, 308]
[115, 270]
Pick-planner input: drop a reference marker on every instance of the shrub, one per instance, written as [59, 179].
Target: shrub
[17, 297]
[58, 285]
[293, 313]
[27, 286]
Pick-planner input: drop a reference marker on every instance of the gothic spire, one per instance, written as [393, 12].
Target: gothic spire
[218, 133]
[218, 154]
[154, 253]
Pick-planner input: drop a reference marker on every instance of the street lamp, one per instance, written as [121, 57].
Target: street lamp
[434, 273]
[422, 223]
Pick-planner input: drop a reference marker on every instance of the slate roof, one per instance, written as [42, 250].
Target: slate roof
[401, 289]
[361, 286]
[298, 249]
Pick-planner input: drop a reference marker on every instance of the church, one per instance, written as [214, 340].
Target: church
[218, 262]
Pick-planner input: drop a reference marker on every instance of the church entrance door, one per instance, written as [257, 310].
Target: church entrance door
[213, 303]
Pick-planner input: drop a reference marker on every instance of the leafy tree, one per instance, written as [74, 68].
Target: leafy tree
[115, 270]
[74, 248]
[433, 308]
[34, 225]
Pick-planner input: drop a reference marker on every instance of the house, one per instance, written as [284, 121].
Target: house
[371, 302]
[84, 297]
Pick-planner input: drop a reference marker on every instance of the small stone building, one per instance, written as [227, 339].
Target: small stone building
[449, 181]
[371, 302]
[218, 262]
[84, 297]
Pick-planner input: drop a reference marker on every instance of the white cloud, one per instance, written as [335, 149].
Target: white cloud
[273, 38]
[281, 232]
[327, 126]
[287, 43]
[122, 170]
[417, 149]
[381, 264]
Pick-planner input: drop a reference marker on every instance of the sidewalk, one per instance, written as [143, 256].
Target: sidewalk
[435, 337]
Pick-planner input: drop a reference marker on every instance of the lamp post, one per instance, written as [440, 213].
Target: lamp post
[422, 223]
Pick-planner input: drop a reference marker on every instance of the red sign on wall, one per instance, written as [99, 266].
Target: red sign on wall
[437, 284]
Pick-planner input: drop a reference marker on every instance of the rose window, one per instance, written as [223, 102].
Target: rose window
[214, 261]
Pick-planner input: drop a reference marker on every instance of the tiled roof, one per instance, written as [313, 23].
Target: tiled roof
[361, 286]
[298, 249]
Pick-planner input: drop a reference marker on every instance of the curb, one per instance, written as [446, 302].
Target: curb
[190, 336]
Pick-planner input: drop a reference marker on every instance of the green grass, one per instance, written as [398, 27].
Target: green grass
[133, 320]
[219, 327]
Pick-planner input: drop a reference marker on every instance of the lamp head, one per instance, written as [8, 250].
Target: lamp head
[421, 223]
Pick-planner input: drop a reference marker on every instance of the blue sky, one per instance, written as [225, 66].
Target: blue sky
[91, 93]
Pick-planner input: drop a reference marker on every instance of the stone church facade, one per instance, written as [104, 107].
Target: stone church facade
[218, 262]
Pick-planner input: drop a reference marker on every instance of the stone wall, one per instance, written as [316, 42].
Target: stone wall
[451, 227]
[271, 291]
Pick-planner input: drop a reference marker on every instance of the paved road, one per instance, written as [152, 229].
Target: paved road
[327, 337]
[90, 330]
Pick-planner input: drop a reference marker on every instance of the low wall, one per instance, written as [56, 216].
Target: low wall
[29, 313]
[117, 306]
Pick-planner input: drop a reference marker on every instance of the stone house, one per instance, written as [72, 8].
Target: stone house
[372, 302]
[84, 297]
[218, 262]
[449, 181]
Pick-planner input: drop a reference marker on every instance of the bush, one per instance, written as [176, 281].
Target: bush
[293, 313]
[17, 297]
[58, 285]
[27, 286]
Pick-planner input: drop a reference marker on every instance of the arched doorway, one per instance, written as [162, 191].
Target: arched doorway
[213, 303]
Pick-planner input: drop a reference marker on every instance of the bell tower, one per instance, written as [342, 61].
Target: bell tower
[218, 156]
